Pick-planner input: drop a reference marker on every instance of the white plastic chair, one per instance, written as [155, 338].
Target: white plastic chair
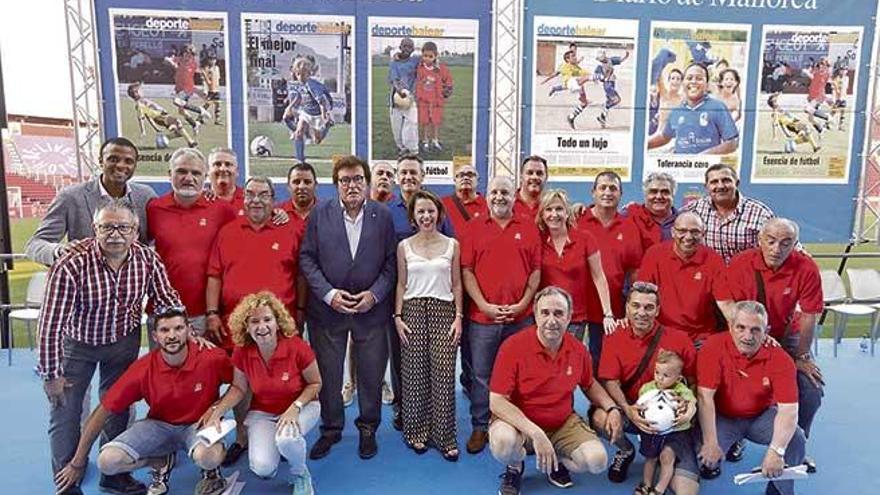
[838, 302]
[865, 286]
[33, 300]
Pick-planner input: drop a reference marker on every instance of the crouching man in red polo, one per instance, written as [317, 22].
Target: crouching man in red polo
[749, 390]
[532, 401]
[180, 382]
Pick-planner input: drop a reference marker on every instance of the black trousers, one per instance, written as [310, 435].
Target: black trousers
[370, 348]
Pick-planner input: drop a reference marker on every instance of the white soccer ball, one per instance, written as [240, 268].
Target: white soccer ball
[162, 141]
[659, 409]
[402, 100]
[262, 146]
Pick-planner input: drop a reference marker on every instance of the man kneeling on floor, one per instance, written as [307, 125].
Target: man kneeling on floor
[180, 382]
[532, 399]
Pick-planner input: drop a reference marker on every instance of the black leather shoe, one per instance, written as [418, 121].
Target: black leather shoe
[708, 473]
[322, 446]
[121, 484]
[74, 490]
[233, 454]
[367, 447]
[736, 451]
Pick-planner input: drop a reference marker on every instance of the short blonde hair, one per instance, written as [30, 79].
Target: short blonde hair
[548, 197]
[665, 356]
[247, 306]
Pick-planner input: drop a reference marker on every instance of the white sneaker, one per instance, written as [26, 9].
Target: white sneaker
[302, 484]
[387, 394]
[348, 391]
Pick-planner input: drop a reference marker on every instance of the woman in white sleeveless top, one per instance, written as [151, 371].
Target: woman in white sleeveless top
[427, 314]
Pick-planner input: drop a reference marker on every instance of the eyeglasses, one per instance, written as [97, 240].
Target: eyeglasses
[347, 181]
[109, 228]
[263, 196]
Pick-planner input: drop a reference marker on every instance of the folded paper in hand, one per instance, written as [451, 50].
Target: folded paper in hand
[789, 473]
[209, 435]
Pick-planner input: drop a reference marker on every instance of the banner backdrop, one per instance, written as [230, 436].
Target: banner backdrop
[296, 81]
[778, 91]
[169, 82]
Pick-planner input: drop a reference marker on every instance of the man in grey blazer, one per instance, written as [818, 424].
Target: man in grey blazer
[71, 213]
[348, 259]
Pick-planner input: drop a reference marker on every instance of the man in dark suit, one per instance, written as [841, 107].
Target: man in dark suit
[348, 259]
[71, 213]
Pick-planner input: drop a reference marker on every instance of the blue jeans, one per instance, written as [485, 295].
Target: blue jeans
[484, 342]
[597, 333]
[79, 363]
[809, 395]
[760, 430]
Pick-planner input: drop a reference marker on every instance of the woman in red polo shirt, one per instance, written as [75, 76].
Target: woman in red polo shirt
[427, 314]
[273, 362]
[570, 259]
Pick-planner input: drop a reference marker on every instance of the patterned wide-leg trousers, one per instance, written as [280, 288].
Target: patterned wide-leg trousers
[428, 373]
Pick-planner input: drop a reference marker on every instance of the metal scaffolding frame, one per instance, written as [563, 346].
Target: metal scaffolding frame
[506, 109]
[85, 87]
[867, 222]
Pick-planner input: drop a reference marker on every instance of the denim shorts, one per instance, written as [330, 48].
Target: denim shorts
[153, 438]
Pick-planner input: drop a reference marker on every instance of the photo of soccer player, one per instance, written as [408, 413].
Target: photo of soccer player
[803, 133]
[298, 92]
[422, 91]
[582, 95]
[168, 94]
[695, 103]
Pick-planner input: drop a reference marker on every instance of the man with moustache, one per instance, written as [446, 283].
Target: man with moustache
[621, 247]
[465, 203]
[462, 206]
[184, 225]
[533, 175]
[787, 282]
[180, 383]
[250, 254]
[732, 220]
[746, 389]
[81, 328]
[691, 279]
[623, 373]
[382, 182]
[72, 211]
[302, 184]
[350, 265]
[532, 399]
[501, 270]
[655, 217]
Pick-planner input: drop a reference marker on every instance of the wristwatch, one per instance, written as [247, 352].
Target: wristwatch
[780, 451]
[614, 407]
[299, 405]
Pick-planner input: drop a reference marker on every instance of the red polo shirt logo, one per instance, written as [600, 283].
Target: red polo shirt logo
[203, 222]
[620, 237]
[285, 377]
[698, 276]
[275, 246]
[517, 236]
[198, 387]
[568, 371]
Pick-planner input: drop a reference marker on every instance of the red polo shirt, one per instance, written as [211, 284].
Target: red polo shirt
[237, 201]
[279, 382]
[797, 281]
[248, 261]
[525, 210]
[688, 289]
[502, 261]
[621, 249]
[539, 384]
[745, 387]
[649, 229]
[622, 352]
[571, 271]
[183, 237]
[177, 396]
[300, 221]
[475, 209]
